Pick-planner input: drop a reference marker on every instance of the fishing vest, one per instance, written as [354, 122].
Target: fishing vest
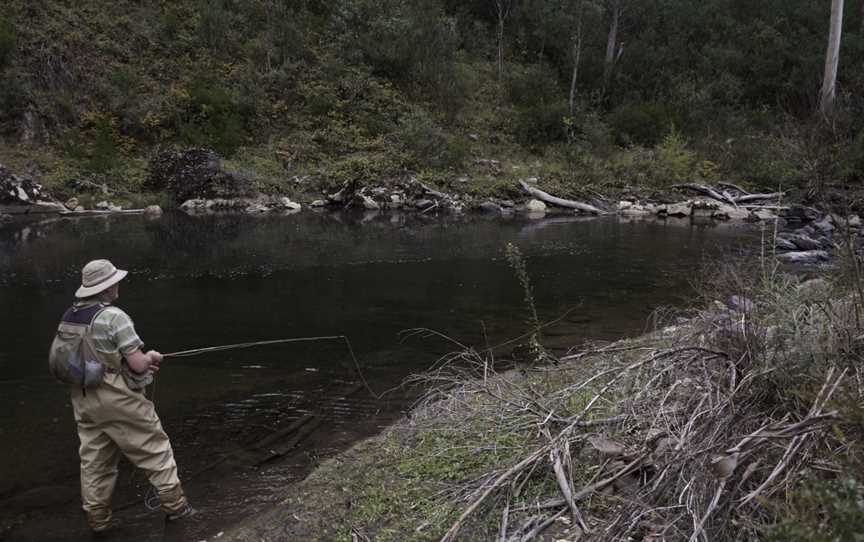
[73, 359]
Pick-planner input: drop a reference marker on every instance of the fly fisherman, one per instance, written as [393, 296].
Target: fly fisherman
[112, 413]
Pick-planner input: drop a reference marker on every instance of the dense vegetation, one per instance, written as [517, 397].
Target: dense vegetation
[373, 90]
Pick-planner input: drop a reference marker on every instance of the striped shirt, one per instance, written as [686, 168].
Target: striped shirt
[113, 332]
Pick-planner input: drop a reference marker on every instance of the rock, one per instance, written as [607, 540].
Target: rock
[491, 207]
[624, 205]
[799, 213]
[473, 137]
[368, 203]
[763, 214]
[813, 290]
[395, 200]
[784, 244]
[153, 210]
[193, 204]
[115, 208]
[728, 212]
[318, 203]
[256, 207]
[824, 225]
[194, 174]
[803, 242]
[423, 204]
[803, 257]
[535, 206]
[72, 203]
[702, 208]
[22, 195]
[741, 303]
[379, 192]
[103, 205]
[507, 204]
[79, 209]
[286, 203]
[679, 209]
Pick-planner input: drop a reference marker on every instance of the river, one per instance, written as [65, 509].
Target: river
[204, 281]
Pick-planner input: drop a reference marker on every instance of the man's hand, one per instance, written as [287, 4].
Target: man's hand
[155, 360]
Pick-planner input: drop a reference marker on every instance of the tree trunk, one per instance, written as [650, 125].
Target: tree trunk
[500, 47]
[832, 60]
[577, 57]
[611, 43]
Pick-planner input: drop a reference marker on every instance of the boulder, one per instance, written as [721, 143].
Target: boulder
[491, 207]
[702, 208]
[802, 242]
[535, 206]
[195, 174]
[423, 204]
[368, 203]
[679, 209]
[289, 205]
[72, 204]
[318, 203]
[22, 195]
[799, 213]
[824, 225]
[153, 210]
[763, 214]
[804, 257]
[784, 244]
[728, 212]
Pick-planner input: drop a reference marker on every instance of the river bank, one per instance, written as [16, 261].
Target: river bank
[736, 420]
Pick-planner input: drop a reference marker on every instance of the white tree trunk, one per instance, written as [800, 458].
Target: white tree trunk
[611, 43]
[577, 57]
[832, 60]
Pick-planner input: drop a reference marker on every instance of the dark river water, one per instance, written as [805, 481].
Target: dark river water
[208, 281]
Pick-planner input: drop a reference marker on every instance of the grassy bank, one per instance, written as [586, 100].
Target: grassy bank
[304, 96]
[742, 421]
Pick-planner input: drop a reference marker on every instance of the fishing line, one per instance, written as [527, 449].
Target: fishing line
[239, 346]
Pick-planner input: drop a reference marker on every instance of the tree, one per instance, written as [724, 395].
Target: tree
[832, 60]
[614, 50]
[502, 10]
[577, 53]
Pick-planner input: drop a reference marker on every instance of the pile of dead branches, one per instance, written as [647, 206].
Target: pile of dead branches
[675, 436]
[733, 195]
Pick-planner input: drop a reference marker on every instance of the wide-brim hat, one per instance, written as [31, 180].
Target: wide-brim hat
[97, 276]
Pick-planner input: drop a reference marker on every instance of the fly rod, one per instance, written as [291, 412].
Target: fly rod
[240, 346]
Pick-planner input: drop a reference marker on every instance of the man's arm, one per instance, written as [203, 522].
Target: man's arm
[140, 362]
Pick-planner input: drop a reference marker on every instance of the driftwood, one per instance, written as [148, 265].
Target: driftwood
[560, 202]
[103, 212]
[725, 197]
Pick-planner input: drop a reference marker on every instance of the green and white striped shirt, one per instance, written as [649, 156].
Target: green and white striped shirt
[113, 332]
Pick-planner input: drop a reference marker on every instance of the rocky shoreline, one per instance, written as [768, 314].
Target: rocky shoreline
[198, 183]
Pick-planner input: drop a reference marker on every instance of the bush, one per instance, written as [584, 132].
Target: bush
[541, 124]
[824, 512]
[7, 42]
[212, 119]
[641, 123]
[428, 144]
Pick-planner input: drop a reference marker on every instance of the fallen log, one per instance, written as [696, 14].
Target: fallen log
[103, 212]
[725, 197]
[707, 191]
[560, 202]
[759, 197]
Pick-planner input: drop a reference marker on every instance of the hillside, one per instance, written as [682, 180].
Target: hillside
[305, 95]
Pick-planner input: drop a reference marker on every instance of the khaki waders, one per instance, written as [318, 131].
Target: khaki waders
[112, 419]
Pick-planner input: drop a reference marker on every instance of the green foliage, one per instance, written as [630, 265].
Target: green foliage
[642, 123]
[675, 162]
[212, 118]
[7, 42]
[823, 512]
[215, 20]
[428, 144]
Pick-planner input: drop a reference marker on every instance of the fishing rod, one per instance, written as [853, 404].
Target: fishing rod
[239, 346]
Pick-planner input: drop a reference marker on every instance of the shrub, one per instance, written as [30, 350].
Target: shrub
[823, 512]
[641, 123]
[212, 119]
[541, 124]
[675, 162]
[214, 24]
[428, 144]
[7, 42]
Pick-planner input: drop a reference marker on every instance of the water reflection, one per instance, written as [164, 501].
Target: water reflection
[200, 281]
